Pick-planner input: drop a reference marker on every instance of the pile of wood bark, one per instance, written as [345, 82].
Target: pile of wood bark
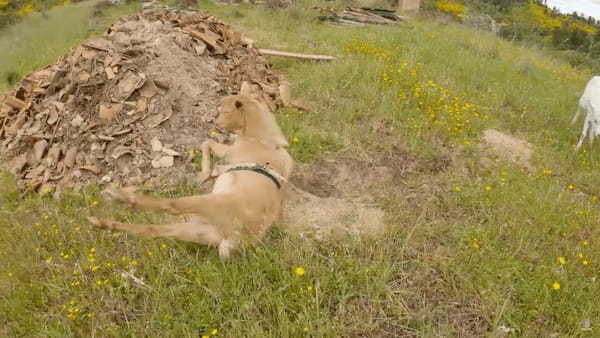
[353, 16]
[131, 106]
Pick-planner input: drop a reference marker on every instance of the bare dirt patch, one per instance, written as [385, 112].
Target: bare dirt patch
[129, 106]
[498, 145]
[335, 196]
[354, 177]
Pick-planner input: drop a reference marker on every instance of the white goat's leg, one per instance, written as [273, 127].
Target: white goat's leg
[592, 133]
[586, 127]
[576, 117]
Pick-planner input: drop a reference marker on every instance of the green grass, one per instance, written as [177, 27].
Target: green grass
[458, 260]
[41, 38]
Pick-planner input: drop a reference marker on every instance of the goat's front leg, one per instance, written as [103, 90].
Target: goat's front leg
[576, 117]
[208, 147]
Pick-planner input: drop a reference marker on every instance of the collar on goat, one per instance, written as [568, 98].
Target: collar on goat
[261, 169]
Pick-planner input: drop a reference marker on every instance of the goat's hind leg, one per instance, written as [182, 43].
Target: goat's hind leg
[188, 231]
[577, 113]
[584, 133]
[192, 231]
[209, 205]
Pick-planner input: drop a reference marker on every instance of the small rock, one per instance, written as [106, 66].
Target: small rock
[77, 121]
[91, 168]
[38, 151]
[586, 325]
[156, 144]
[109, 111]
[170, 152]
[163, 162]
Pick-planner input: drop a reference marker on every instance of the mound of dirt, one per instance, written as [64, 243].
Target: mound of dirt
[128, 107]
[498, 145]
[320, 217]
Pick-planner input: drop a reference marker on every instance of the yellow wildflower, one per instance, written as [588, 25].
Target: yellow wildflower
[457, 188]
[488, 188]
[299, 271]
[556, 286]
[214, 332]
[561, 260]
[585, 262]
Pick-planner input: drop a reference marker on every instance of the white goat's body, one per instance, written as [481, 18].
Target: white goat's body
[590, 104]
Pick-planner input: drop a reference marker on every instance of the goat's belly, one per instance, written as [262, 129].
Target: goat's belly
[224, 183]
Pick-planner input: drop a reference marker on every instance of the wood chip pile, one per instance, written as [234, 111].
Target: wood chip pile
[129, 106]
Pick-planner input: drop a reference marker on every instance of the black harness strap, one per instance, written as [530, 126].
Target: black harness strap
[258, 169]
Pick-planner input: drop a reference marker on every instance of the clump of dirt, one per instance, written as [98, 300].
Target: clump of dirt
[127, 107]
[320, 217]
[498, 145]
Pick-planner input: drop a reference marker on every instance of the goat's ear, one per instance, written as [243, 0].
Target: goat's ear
[238, 104]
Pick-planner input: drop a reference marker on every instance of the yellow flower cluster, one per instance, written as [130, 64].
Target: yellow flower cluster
[73, 311]
[561, 72]
[439, 107]
[21, 8]
[453, 8]
[549, 23]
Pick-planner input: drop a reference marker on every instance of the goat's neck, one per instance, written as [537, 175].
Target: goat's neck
[259, 128]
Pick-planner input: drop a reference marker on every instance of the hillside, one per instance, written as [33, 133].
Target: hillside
[477, 243]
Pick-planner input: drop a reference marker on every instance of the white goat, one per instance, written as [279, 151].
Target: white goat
[590, 104]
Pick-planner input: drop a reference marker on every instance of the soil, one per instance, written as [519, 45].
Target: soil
[498, 145]
[337, 196]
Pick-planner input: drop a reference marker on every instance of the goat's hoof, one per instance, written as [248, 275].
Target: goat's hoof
[96, 222]
[125, 195]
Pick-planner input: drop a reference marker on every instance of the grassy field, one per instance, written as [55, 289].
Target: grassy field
[469, 247]
[42, 37]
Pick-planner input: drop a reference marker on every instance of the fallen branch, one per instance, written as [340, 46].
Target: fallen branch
[296, 55]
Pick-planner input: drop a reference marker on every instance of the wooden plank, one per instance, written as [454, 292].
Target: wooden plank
[296, 55]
